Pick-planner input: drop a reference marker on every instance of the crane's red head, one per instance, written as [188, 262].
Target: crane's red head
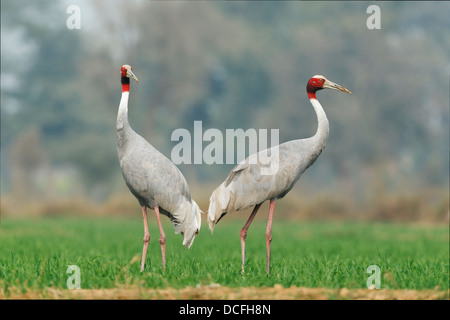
[126, 74]
[320, 82]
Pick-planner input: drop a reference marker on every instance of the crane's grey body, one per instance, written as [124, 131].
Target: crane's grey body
[154, 180]
[246, 186]
[251, 182]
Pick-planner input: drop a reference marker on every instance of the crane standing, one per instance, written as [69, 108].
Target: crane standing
[153, 179]
[247, 186]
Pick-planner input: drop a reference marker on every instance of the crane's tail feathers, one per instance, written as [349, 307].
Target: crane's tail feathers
[189, 214]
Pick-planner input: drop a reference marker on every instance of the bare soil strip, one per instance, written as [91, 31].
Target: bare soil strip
[217, 292]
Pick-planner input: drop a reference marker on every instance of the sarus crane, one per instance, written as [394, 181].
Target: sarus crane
[153, 179]
[247, 185]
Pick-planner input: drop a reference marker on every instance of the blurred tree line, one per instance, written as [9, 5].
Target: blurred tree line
[230, 65]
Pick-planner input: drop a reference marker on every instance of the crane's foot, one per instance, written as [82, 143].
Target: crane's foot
[268, 243]
[146, 240]
[162, 238]
[269, 234]
[243, 235]
[146, 237]
[162, 242]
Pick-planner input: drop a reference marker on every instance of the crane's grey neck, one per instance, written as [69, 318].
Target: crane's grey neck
[122, 124]
[323, 127]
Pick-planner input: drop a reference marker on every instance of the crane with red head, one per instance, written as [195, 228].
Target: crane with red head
[246, 186]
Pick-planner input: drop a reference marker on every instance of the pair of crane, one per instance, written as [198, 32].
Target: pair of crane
[158, 184]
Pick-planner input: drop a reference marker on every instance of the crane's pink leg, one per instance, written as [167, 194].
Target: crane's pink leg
[243, 234]
[269, 233]
[162, 238]
[146, 237]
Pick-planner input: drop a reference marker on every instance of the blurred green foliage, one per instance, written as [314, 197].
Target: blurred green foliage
[230, 65]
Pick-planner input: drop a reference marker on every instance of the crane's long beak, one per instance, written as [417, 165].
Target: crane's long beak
[131, 75]
[331, 85]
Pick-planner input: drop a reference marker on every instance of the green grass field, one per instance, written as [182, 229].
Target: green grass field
[35, 254]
